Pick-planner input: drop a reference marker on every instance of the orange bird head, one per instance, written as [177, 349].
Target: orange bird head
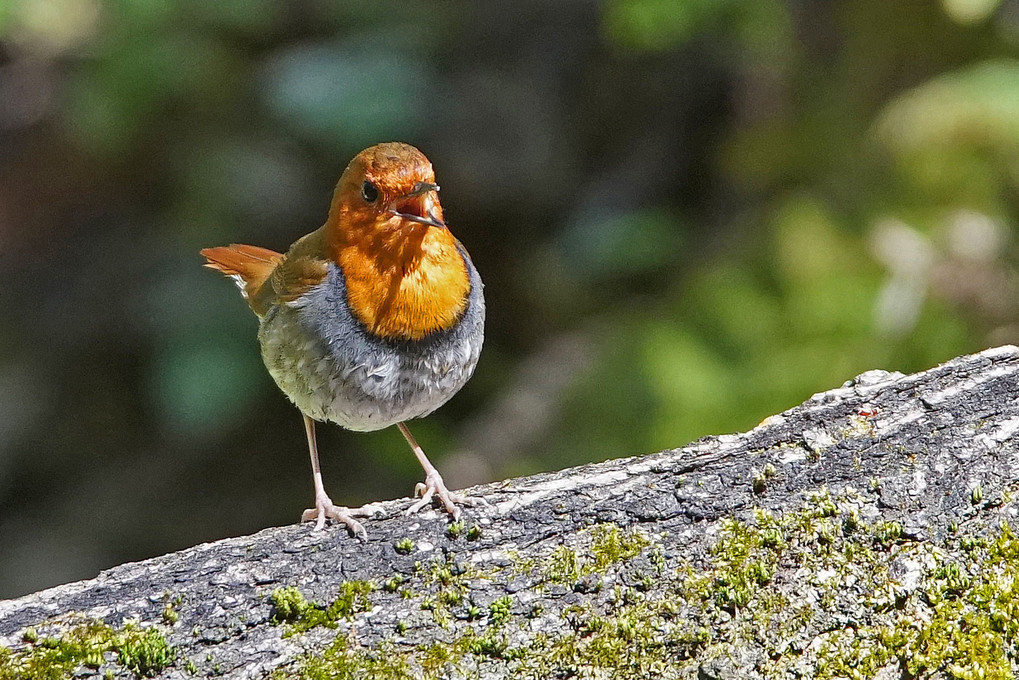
[386, 187]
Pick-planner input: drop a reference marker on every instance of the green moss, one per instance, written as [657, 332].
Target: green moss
[767, 583]
[634, 641]
[969, 628]
[563, 566]
[976, 495]
[971, 543]
[340, 661]
[819, 504]
[404, 546]
[491, 645]
[745, 558]
[608, 546]
[293, 608]
[170, 605]
[353, 598]
[143, 651]
[611, 546]
[290, 604]
[446, 584]
[170, 615]
[887, 533]
[444, 587]
[343, 659]
[499, 610]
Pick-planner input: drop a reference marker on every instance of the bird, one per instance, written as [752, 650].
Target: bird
[375, 318]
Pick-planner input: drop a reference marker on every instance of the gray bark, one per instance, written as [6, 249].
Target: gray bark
[934, 452]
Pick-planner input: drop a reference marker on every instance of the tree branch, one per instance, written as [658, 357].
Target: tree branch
[837, 535]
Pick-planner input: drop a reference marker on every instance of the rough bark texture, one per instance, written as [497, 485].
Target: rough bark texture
[861, 533]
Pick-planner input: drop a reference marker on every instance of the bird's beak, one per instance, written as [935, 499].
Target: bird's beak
[418, 205]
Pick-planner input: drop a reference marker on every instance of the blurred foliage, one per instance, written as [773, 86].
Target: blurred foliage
[689, 215]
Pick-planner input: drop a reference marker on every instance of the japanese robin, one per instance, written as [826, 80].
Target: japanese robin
[373, 319]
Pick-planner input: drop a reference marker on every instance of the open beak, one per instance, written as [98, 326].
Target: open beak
[418, 205]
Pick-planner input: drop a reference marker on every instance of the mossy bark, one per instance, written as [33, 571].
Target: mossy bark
[865, 533]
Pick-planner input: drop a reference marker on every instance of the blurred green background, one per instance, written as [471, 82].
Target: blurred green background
[689, 214]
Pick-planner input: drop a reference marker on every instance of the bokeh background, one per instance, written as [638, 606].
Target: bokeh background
[689, 214]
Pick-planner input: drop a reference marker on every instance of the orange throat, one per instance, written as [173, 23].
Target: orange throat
[405, 284]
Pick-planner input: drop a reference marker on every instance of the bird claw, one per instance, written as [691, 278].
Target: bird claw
[433, 486]
[325, 509]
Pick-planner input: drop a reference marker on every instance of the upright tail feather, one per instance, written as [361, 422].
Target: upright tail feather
[248, 266]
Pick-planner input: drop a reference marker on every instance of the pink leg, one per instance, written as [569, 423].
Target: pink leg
[433, 484]
[324, 508]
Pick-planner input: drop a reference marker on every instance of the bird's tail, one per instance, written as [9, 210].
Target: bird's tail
[248, 266]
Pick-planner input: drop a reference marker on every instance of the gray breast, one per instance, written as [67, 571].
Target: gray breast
[332, 368]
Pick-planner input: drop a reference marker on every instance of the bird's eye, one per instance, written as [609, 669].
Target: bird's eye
[369, 192]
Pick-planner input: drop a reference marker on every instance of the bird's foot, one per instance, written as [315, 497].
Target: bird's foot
[325, 509]
[434, 486]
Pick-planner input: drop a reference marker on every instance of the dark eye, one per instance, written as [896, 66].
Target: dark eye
[369, 192]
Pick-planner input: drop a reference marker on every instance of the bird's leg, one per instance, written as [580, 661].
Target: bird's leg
[433, 484]
[324, 508]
